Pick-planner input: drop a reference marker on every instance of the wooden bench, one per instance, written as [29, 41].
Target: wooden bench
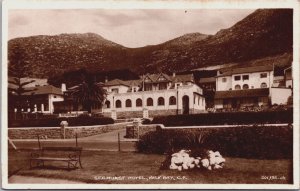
[69, 155]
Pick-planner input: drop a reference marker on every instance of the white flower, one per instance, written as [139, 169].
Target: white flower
[217, 166]
[184, 166]
[205, 163]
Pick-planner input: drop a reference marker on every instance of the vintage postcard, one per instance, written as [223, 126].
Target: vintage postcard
[150, 94]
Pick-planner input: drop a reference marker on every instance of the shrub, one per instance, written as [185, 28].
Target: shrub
[226, 118]
[245, 142]
[55, 122]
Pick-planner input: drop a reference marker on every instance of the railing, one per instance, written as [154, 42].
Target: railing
[223, 126]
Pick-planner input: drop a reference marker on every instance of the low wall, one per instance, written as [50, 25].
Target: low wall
[56, 133]
[132, 131]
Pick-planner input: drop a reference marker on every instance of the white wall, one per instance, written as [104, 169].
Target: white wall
[280, 95]
[53, 98]
[223, 86]
[289, 83]
[253, 82]
[121, 88]
[183, 90]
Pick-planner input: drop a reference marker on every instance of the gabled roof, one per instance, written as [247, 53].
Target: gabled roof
[132, 83]
[154, 77]
[183, 78]
[243, 70]
[116, 82]
[41, 90]
[242, 93]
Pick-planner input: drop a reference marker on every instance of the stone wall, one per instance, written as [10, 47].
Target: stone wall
[56, 133]
[129, 114]
[132, 131]
[163, 112]
[139, 114]
[33, 132]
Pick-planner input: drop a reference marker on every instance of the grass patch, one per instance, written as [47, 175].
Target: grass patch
[139, 168]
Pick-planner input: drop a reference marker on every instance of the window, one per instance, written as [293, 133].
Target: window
[263, 85]
[128, 103]
[118, 104]
[245, 86]
[237, 78]
[107, 104]
[149, 102]
[161, 101]
[39, 107]
[237, 87]
[177, 84]
[46, 106]
[162, 86]
[139, 103]
[263, 75]
[115, 90]
[148, 87]
[245, 77]
[172, 100]
[224, 79]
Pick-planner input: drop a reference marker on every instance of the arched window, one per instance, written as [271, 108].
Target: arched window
[161, 101]
[107, 104]
[149, 102]
[118, 104]
[263, 85]
[245, 86]
[237, 87]
[172, 100]
[139, 102]
[128, 103]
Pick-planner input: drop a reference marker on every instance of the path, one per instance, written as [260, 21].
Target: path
[105, 141]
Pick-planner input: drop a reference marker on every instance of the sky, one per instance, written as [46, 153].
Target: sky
[131, 28]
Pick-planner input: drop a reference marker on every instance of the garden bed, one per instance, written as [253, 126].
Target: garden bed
[244, 141]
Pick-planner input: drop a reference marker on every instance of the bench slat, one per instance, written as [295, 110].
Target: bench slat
[62, 148]
[53, 159]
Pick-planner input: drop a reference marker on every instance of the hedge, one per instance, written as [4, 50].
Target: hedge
[244, 142]
[285, 116]
[55, 122]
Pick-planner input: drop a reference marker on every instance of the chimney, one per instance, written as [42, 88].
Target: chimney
[174, 74]
[63, 87]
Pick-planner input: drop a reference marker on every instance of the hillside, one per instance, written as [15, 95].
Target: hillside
[262, 34]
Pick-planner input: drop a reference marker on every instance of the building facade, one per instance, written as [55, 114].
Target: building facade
[242, 87]
[153, 95]
[249, 87]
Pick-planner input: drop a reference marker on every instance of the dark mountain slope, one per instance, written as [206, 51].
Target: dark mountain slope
[263, 33]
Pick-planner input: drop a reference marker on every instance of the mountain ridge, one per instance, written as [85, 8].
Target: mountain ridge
[263, 33]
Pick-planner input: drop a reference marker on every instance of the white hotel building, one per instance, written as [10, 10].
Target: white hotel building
[249, 86]
[154, 94]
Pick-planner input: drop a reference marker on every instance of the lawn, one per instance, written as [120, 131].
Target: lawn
[135, 168]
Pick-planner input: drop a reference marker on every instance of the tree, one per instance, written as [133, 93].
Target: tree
[88, 93]
[17, 70]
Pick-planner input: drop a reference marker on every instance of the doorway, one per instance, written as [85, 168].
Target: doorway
[185, 105]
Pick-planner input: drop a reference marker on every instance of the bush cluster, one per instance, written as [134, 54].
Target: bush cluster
[226, 118]
[83, 120]
[245, 142]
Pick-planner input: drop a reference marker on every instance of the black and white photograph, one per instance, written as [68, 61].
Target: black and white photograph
[183, 94]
